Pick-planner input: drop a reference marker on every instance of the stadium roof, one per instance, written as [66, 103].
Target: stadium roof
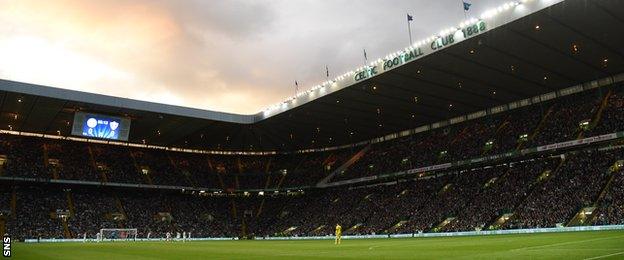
[517, 51]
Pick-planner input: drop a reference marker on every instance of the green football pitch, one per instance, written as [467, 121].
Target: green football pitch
[573, 245]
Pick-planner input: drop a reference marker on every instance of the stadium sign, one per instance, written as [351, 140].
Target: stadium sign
[366, 73]
[405, 57]
[410, 54]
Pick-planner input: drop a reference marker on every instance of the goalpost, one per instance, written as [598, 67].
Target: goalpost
[118, 234]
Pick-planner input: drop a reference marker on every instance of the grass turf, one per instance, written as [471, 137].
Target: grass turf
[572, 245]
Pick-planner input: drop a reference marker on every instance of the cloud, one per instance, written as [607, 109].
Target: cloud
[234, 19]
[234, 56]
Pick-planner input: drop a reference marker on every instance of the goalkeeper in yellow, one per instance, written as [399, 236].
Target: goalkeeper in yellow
[338, 234]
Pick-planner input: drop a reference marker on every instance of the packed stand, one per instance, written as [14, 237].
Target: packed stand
[576, 184]
[538, 192]
[92, 212]
[24, 157]
[612, 119]
[117, 164]
[37, 214]
[501, 195]
[563, 122]
[74, 161]
[611, 208]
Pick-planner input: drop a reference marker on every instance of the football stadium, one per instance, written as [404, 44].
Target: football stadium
[498, 137]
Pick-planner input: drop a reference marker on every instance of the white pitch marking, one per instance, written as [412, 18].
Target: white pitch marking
[603, 256]
[565, 243]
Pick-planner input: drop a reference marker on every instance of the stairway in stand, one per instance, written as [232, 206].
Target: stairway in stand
[357, 156]
[587, 215]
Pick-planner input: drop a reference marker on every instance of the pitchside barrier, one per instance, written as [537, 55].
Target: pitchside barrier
[467, 233]
[443, 234]
[56, 240]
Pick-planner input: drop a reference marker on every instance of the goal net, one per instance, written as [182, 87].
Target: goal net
[118, 234]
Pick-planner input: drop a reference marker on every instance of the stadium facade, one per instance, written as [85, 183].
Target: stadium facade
[509, 120]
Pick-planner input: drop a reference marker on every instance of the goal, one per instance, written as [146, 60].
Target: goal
[118, 234]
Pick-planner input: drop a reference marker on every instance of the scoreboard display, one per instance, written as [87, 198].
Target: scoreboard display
[92, 125]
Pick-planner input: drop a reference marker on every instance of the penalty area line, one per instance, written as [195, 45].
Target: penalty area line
[604, 256]
[564, 243]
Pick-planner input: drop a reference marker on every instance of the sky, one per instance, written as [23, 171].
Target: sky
[237, 56]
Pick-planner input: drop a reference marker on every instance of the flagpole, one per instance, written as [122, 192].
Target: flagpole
[409, 29]
[327, 71]
[296, 88]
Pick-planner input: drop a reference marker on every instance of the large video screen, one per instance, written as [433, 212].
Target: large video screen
[101, 126]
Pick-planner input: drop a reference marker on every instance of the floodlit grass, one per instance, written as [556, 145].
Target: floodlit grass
[572, 245]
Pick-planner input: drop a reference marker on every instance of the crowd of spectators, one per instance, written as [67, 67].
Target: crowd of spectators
[93, 211]
[75, 161]
[469, 198]
[501, 195]
[313, 167]
[161, 213]
[36, 214]
[450, 200]
[160, 168]
[24, 157]
[575, 185]
[612, 119]
[563, 123]
[520, 128]
[552, 121]
[611, 208]
[47, 159]
[518, 123]
[116, 163]
[5, 200]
